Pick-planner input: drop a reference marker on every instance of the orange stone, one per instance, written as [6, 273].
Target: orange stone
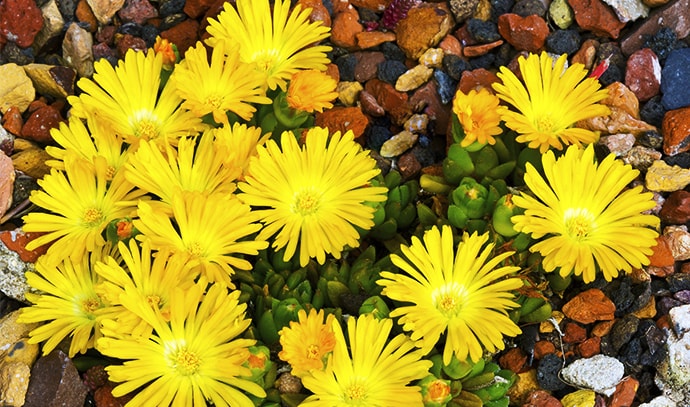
[589, 347]
[625, 392]
[574, 333]
[543, 348]
[370, 39]
[590, 306]
[12, 120]
[16, 240]
[602, 328]
[524, 33]
[343, 119]
[345, 28]
[661, 253]
[476, 79]
[514, 360]
[477, 50]
[676, 130]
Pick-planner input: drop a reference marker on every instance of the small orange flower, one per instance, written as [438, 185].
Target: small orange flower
[168, 50]
[479, 115]
[307, 343]
[311, 90]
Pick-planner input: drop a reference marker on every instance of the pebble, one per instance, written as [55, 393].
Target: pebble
[676, 208]
[561, 14]
[680, 319]
[629, 10]
[104, 10]
[665, 178]
[524, 33]
[624, 117]
[548, 373]
[52, 80]
[676, 130]
[455, 65]
[427, 100]
[674, 79]
[367, 65]
[659, 401]
[398, 144]
[137, 11]
[424, 27]
[348, 92]
[53, 23]
[20, 20]
[392, 101]
[523, 392]
[563, 42]
[625, 392]
[390, 70]
[679, 241]
[542, 398]
[16, 88]
[643, 74]
[673, 373]
[40, 122]
[675, 16]
[622, 331]
[413, 78]
[343, 119]
[7, 176]
[14, 382]
[54, 377]
[76, 50]
[463, 9]
[417, 123]
[618, 144]
[580, 398]
[589, 306]
[409, 165]
[433, 58]
[599, 373]
[369, 104]
[589, 347]
[597, 17]
[446, 86]
[16, 241]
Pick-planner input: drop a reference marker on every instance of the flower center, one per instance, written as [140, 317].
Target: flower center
[92, 217]
[90, 305]
[355, 394]
[449, 298]
[153, 300]
[110, 173]
[265, 59]
[214, 101]
[313, 351]
[579, 223]
[306, 202]
[545, 124]
[185, 362]
[146, 130]
[195, 249]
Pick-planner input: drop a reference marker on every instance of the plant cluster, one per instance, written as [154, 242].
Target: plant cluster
[204, 234]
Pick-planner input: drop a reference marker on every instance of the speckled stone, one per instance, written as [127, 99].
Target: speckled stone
[398, 144]
[599, 373]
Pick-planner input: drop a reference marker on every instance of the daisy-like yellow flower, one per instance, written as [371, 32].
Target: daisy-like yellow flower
[314, 195]
[144, 276]
[375, 371]
[463, 295]
[208, 232]
[194, 358]
[311, 90]
[306, 344]
[67, 304]
[225, 84]
[479, 115]
[280, 43]
[239, 143]
[551, 100]
[589, 218]
[126, 99]
[195, 165]
[76, 139]
[81, 202]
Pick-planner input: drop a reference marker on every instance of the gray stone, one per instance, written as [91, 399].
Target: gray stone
[55, 382]
[680, 319]
[641, 158]
[628, 10]
[660, 401]
[618, 144]
[77, 50]
[12, 281]
[673, 373]
[599, 373]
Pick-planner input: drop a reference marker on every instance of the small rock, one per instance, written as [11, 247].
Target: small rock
[680, 319]
[476, 79]
[563, 42]
[561, 14]
[392, 101]
[673, 373]
[371, 39]
[369, 104]
[55, 382]
[676, 208]
[679, 241]
[665, 178]
[368, 65]
[661, 253]
[390, 70]
[413, 78]
[643, 74]
[417, 123]
[14, 382]
[424, 27]
[16, 241]
[676, 130]
[12, 331]
[543, 348]
[624, 117]
[625, 392]
[599, 373]
[574, 333]
[472, 51]
[589, 347]
[39, 124]
[398, 144]
[675, 16]
[678, 282]
[184, 34]
[515, 360]
[345, 28]
[618, 144]
[548, 373]
[446, 86]
[137, 11]
[647, 311]
[86, 17]
[76, 50]
[52, 80]
[580, 398]
[463, 9]
[542, 398]
[596, 16]
[623, 330]
[343, 119]
[659, 401]
[450, 45]
[348, 92]
[428, 101]
[589, 306]
[523, 392]
[20, 20]
[408, 164]
[16, 88]
[7, 176]
[433, 58]
[673, 79]
[455, 65]
[628, 10]
[53, 23]
[524, 33]
[104, 10]
[197, 8]
[32, 161]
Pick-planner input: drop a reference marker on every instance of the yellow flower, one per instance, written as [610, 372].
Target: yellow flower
[463, 295]
[76, 139]
[67, 304]
[196, 165]
[589, 217]
[208, 233]
[194, 358]
[151, 279]
[307, 344]
[81, 202]
[550, 102]
[311, 90]
[479, 115]
[127, 101]
[224, 85]
[375, 372]
[315, 196]
[279, 45]
[238, 144]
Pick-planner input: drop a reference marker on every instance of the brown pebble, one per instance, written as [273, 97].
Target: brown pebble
[676, 131]
[574, 333]
[590, 306]
[515, 360]
[625, 392]
[524, 33]
[543, 348]
[12, 120]
[39, 124]
[343, 119]
[589, 347]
